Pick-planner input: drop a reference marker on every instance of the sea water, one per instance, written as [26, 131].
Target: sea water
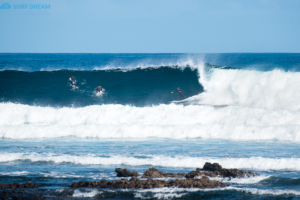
[241, 111]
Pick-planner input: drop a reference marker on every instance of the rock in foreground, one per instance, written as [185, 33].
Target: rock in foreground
[18, 185]
[188, 180]
[235, 173]
[134, 182]
[211, 170]
[126, 173]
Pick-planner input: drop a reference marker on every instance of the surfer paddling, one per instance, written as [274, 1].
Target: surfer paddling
[98, 89]
[179, 92]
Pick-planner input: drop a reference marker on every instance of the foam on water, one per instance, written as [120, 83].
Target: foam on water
[169, 193]
[257, 163]
[248, 180]
[86, 193]
[164, 121]
[166, 193]
[274, 89]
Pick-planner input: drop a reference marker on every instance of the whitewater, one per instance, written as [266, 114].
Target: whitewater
[241, 111]
[236, 104]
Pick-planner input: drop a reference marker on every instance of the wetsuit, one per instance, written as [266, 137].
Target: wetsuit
[180, 93]
[73, 83]
[98, 89]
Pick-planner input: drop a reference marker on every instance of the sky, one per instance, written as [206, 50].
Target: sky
[149, 26]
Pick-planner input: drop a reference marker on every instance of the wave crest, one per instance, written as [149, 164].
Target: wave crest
[275, 89]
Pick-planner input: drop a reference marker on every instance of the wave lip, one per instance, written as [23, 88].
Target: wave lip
[254, 163]
[270, 90]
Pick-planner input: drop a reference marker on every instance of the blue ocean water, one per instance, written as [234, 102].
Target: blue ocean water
[241, 111]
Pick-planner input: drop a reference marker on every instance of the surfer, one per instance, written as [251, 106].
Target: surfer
[98, 89]
[179, 92]
[72, 82]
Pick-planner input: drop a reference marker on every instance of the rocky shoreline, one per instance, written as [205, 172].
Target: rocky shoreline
[193, 179]
[151, 178]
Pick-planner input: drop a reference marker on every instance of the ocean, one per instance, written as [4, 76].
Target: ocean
[240, 110]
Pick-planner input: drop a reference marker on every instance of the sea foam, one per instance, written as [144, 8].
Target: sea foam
[254, 163]
[274, 89]
[164, 121]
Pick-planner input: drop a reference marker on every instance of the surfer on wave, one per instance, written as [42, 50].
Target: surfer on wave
[179, 92]
[72, 82]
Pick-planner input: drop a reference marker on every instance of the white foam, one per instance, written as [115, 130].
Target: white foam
[86, 193]
[166, 193]
[164, 121]
[256, 163]
[15, 173]
[275, 192]
[271, 90]
[160, 193]
[248, 180]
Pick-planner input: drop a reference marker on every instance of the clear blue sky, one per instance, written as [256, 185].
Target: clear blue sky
[151, 26]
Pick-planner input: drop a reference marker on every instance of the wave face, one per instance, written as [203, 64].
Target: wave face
[139, 87]
[146, 79]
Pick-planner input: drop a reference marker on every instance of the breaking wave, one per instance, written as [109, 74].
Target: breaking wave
[256, 163]
[19, 121]
[274, 89]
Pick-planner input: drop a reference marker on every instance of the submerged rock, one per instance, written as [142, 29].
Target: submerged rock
[126, 173]
[134, 182]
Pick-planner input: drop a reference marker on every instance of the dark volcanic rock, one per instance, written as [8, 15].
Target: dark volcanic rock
[134, 182]
[211, 170]
[197, 173]
[235, 173]
[212, 167]
[154, 173]
[18, 185]
[17, 191]
[126, 173]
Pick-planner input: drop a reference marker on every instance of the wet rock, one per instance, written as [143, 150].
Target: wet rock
[155, 173]
[11, 194]
[126, 173]
[3, 197]
[219, 171]
[3, 186]
[198, 173]
[18, 185]
[212, 167]
[193, 179]
[134, 182]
